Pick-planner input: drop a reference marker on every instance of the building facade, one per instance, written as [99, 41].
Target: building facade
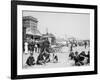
[30, 30]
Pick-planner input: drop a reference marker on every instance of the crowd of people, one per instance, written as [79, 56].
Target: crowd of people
[80, 58]
[46, 52]
[44, 49]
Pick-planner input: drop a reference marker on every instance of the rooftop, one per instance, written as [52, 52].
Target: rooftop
[29, 18]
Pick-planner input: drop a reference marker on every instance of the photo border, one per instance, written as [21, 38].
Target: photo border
[14, 4]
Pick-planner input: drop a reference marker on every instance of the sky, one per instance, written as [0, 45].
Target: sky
[62, 24]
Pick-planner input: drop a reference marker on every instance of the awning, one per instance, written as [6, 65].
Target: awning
[34, 32]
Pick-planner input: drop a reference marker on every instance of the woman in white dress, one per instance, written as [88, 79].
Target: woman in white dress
[26, 47]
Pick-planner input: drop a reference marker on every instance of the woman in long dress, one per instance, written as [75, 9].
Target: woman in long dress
[26, 47]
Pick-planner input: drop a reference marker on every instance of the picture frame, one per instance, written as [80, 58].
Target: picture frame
[21, 8]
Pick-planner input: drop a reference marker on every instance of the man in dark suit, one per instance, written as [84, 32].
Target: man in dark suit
[30, 61]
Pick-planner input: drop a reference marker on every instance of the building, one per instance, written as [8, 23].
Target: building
[30, 30]
[50, 37]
